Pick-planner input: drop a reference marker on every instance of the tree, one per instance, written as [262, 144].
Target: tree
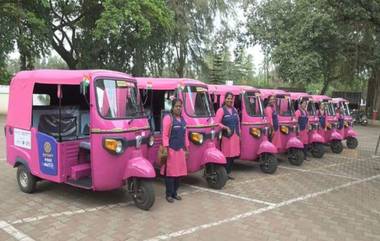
[303, 38]
[25, 24]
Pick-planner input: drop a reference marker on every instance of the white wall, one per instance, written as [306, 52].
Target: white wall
[4, 93]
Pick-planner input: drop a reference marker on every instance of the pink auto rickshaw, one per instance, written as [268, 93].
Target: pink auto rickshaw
[286, 138]
[315, 140]
[345, 126]
[254, 144]
[329, 125]
[85, 128]
[157, 94]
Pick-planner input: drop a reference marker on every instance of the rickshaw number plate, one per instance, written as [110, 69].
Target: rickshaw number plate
[22, 138]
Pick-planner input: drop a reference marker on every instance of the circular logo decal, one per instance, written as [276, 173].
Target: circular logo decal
[47, 147]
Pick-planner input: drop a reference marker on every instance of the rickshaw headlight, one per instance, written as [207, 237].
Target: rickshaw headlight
[329, 126]
[113, 145]
[256, 132]
[284, 130]
[346, 124]
[196, 138]
[151, 141]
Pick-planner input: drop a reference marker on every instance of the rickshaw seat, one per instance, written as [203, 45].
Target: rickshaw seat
[50, 124]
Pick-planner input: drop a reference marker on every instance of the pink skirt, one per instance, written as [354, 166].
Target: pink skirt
[304, 136]
[276, 140]
[231, 146]
[175, 165]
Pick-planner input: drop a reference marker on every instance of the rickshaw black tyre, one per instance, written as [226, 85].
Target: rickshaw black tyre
[296, 156]
[352, 142]
[30, 182]
[149, 197]
[318, 150]
[221, 177]
[268, 163]
[336, 147]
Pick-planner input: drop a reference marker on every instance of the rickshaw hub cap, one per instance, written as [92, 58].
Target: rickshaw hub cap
[24, 179]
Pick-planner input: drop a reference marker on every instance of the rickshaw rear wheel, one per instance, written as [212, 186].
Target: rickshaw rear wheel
[142, 193]
[352, 142]
[26, 181]
[336, 146]
[318, 150]
[296, 156]
[268, 163]
[216, 176]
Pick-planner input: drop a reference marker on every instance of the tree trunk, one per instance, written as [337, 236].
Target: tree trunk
[65, 55]
[376, 98]
[138, 68]
[326, 83]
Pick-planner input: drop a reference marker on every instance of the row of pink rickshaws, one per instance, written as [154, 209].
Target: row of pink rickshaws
[101, 130]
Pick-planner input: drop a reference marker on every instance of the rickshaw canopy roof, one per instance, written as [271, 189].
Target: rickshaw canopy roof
[319, 98]
[267, 92]
[223, 89]
[338, 100]
[299, 95]
[22, 85]
[166, 83]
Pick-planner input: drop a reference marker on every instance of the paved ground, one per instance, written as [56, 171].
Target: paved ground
[335, 198]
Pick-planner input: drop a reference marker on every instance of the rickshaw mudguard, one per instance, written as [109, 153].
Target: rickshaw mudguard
[266, 147]
[336, 136]
[294, 142]
[139, 167]
[213, 155]
[316, 138]
[351, 133]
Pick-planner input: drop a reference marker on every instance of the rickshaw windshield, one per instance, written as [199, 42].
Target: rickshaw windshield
[118, 99]
[253, 104]
[346, 108]
[330, 108]
[284, 106]
[311, 108]
[197, 102]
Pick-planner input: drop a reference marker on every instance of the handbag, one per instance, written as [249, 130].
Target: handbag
[162, 155]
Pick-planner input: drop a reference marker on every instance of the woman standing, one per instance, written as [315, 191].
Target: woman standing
[174, 138]
[303, 120]
[272, 116]
[322, 116]
[228, 119]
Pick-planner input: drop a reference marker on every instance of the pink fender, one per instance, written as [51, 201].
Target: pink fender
[266, 147]
[213, 155]
[351, 133]
[336, 136]
[139, 167]
[316, 138]
[294, 142]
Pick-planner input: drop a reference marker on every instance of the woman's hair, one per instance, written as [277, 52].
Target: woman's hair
[266, 100]
[225, 97]
[175, 101]
[303, 101]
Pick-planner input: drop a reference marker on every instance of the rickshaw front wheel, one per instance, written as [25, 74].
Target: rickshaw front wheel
[296, 156]
[216, 176]
[26, 181]
[268, 163]
[317, 150]
[352, 142]
[336, 146]
[142, 192]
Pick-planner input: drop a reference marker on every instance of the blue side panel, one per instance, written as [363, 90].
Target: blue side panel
[47, 154]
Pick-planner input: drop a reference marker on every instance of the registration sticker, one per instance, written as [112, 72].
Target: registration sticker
[23, 138]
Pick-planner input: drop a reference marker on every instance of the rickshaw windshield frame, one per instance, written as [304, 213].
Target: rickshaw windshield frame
[330, 108]
[248, 94]
[207, 103]
[347, 110]
[290, 110]
[139, 110]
